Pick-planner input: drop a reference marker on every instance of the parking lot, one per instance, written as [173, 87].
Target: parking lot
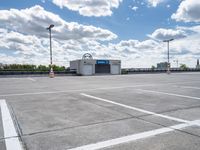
[122, 112]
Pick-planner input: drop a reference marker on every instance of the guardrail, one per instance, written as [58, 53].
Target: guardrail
[150, 70]
[73, 72]
[34, 72]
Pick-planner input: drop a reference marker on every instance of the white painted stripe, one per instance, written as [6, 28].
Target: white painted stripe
[134, 137]
[13, 144]
[170, 94]
[134, 108]
[78, 90]
[8, 125]
[85, 90]
[10, 134]
[31, 79]
[190, 87]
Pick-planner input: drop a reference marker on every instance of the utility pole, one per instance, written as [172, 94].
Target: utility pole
[51, 73]
[168, 62]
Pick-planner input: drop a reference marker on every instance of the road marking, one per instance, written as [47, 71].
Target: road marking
[10, 134]
[136, 109]
[31, 79]
[85, 90]
[134, 137]
[170, 94]
[81, 90]
[190, 87]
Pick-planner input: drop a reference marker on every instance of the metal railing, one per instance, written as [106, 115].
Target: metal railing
[155, 70]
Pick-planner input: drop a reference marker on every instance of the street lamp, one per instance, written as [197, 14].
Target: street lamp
[51, 74]
[168, 63]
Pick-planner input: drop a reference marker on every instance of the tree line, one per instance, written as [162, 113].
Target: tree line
[30, 67]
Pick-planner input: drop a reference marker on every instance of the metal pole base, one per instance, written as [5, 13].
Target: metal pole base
[51, 74]
[168, 72]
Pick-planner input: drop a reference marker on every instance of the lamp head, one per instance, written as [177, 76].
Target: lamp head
[51, 26]
[168, 40]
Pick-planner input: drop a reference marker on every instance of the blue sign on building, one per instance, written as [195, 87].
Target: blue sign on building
[102, 62]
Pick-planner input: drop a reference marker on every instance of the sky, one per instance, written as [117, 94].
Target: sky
[130, 30]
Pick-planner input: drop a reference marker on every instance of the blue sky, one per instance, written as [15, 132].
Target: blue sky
[130, 30]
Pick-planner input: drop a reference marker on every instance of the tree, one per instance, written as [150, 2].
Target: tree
[153, 67]
[42, 68]
[183, 67]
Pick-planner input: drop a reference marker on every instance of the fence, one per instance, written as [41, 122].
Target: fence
[150, 70]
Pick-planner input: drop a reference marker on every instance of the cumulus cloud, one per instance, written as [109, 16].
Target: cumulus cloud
[25, 40]
[163, 34]
[181, 48]
[23, 34]
[88, 8]
[34, 20]
[188, 11]
[154, 3]
[135, 8]
[136, 46]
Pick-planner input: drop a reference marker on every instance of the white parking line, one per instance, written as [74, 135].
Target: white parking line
[170, 94]
[134, 137]
[31, 79]
[84, 90]
[190, 87]
[136, 109]
[10, 134]
[78, 90]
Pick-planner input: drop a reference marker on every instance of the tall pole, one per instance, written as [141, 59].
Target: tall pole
[168, 62]
[51, 73]
[50, 48]
[168, 52]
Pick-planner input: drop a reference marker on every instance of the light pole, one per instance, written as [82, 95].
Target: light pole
[51, 73]
[168, 63]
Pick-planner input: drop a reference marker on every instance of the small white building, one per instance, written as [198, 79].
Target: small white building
[1, 65]
[163, 65]
[89, 66]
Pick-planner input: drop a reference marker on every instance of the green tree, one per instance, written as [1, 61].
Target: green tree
[42, 68]
[153, 67]
[183, 67]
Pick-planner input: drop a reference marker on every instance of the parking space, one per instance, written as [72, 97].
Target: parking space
[168, 141]
[104, 112]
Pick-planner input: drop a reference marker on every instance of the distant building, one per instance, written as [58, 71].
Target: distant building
[89, 66]
[162, 65]
[198, 66]
[1, 65]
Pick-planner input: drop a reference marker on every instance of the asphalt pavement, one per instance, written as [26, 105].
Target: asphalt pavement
[121, 112]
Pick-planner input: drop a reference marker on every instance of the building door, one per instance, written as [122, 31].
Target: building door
[87, 70]
[115, 69]
[102, 68]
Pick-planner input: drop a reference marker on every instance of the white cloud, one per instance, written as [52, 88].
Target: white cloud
[25, 40]
[26, 36]
[34, 21]
[135, 8]
[168, 6]
[95, 8]
[155, 3]
[188, 11]
[185, 47]
[163, 34]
